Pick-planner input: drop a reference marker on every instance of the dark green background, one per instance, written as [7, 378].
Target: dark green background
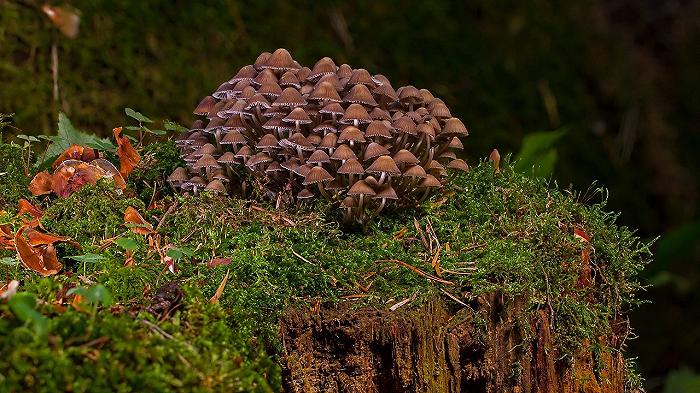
[621, 77]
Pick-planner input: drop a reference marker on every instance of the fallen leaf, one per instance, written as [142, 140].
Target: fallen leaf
[220, 290]
[74, 152]
[66, 20]
[24, 206]
[41, 184]
[136, 222]
[50, 258]
[37, 238]
[218, 262]
[128, 157]
[30, 258]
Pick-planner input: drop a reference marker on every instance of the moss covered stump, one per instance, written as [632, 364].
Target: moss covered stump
[502, 283]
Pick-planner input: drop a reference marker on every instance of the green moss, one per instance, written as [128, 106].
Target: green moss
[502, 233]
[158, 160]
[13, 182]
[94, 213]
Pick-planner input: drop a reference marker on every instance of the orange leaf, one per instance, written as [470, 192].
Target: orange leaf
[37, 238]
[137, 223]
[31, 259]
[128, 157]
[220, 290]
[129, 258]
[25, 206]
[75, 152]
[50, 258]
[41, 184]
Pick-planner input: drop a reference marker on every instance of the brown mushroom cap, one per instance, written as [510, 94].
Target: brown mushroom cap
[268, 141]
[458, 164]
[374, 150]
[233, 138]
[430, 181]
[351, 167]
[280, 60]
[246, 73]
[355, 112]
[325, 91]
[361, 188]
[343, 152]
[206, 161]
[454, 126]
[290, 97]
[404, 156]
[386, 192]
[384, 164]
[324, 66]
[360, 94]
[456, 143]
[351, 133]
[317, 175]
[415, 171]
[297, 115]
[333, 108]
[361, 76]
[318, 157]
[216, 186]
[179, 175]
[305, 194]
[289, 79]
[205, 105]
[227, 158]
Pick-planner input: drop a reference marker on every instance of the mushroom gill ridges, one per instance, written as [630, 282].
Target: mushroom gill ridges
[327, 131]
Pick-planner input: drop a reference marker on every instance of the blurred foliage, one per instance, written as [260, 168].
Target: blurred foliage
[682, 381]
[620, 76]
[537, 155]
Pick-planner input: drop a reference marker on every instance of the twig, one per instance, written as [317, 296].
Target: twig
[416, 270]
[162, 219]
[302, 258]
[453, 297]
[420, 231]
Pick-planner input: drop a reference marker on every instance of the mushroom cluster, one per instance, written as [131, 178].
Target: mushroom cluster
[330, 131]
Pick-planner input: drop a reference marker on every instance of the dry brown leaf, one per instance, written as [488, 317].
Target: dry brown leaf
[136, 222]
[31, 259]
[25, 206]
[128, 157]
[50, 259]
[218, 262]
[41, 184]
[75, 152]
[220, 290]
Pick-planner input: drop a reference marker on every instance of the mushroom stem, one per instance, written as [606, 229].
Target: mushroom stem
[323, 191]
[382, 177]
[425, 195]
[381, 207]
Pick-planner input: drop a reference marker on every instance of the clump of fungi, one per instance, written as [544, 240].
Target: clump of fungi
[328, 131]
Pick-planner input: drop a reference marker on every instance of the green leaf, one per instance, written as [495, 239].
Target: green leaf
[134, 128]
[178, 253]
[23, 305]
[127, 243]
[67, 136]
[156, 132]
[99, 294]
[537, 156]
[27, 138]
[87, 258]
[137, 115]
[173, 126]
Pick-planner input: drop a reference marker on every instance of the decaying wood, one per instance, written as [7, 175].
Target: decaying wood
[440, 347]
